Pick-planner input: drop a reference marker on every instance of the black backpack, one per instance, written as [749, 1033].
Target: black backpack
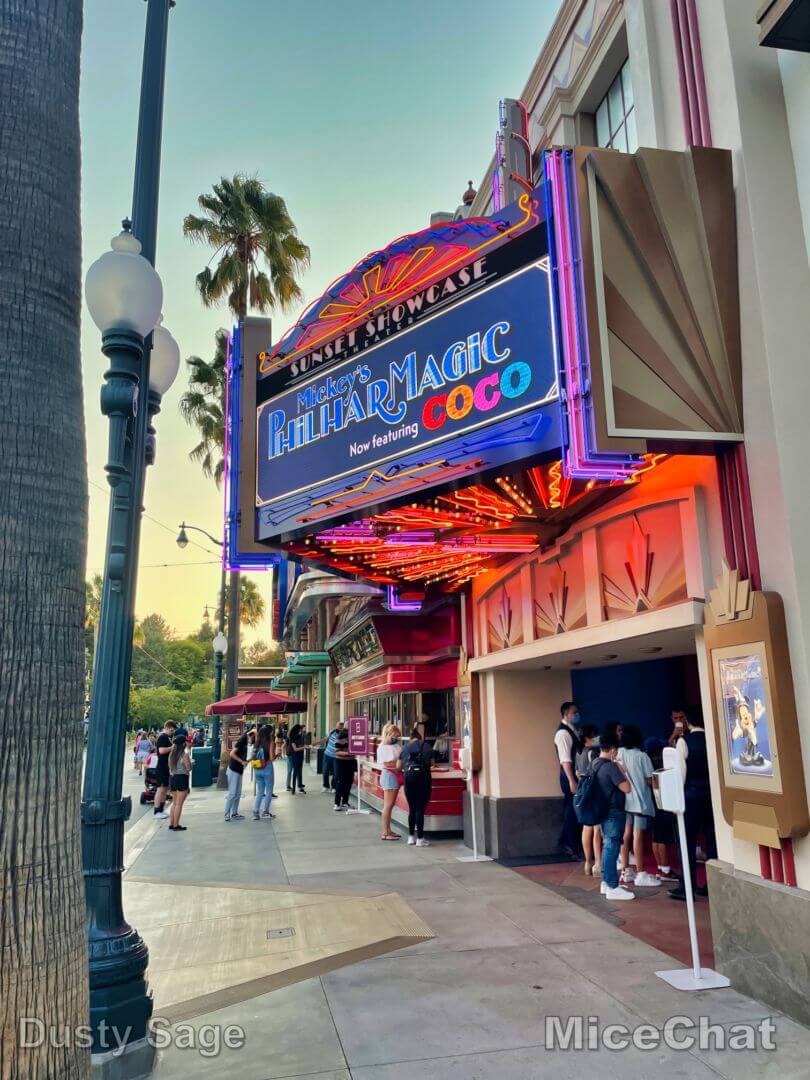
[415, 765]
[590, 804]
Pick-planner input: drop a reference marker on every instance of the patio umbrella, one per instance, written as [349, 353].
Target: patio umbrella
[255, 702]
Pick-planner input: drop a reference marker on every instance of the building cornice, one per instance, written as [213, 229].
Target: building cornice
[542, 71]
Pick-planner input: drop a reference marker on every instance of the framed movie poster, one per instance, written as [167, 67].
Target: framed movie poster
[756, 729]
[745, 708]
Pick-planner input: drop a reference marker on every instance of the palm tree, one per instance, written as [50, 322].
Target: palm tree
[43, 534]
[251, 602]
[203, 406]
[245, 224]
[92, 612]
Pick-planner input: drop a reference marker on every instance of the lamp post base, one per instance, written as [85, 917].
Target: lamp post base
[136, 1060]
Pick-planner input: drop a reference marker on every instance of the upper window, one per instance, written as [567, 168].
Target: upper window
[616, 115]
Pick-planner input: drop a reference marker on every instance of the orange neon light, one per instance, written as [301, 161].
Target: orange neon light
[400, 288]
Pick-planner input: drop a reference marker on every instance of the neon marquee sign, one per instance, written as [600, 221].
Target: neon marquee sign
[392, 289]
[354, 398]
[468, 389]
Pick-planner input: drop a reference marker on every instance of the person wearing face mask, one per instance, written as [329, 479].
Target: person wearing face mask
[567, 743]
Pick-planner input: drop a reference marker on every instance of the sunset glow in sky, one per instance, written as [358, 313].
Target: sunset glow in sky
[365, 116]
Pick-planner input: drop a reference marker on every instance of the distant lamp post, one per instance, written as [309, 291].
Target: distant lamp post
[124, 297]
[219, 653]
[220, 647]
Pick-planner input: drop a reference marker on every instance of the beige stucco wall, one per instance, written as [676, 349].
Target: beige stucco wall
[520, 715]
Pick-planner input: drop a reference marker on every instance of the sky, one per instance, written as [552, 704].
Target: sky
[366, 116]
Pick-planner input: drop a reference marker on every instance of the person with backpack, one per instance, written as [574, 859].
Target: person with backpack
[416, 759]
[264, 771]
[600, 801]
[591, 834]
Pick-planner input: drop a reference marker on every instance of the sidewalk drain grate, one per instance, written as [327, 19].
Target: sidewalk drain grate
[288, 931]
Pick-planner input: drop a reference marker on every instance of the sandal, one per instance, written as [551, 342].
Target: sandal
[390, 836]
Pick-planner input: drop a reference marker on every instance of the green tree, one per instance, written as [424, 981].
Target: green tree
[188, 662]
[197, 697]
[260, 654]
[206, 634]
[248, 226]
[43, 536]
[152, 706]
[150, 666]
[203, 407]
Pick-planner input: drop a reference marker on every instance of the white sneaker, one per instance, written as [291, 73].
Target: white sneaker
[411, 839]
[627, 877]
[632, 859]
[603, 888]
[161, 814]
[619, 893]
[422, 842]
[647, 880]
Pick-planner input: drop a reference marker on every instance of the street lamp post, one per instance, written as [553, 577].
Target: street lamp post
[124, 296]
[220, 646]
[220, 642]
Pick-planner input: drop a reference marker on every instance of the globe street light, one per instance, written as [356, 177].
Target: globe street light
[219, 654]
[125, 297]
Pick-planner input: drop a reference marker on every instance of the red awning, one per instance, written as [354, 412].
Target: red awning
[255, 702]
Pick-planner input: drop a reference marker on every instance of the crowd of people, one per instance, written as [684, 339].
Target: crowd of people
[404, 763]
[610, 817]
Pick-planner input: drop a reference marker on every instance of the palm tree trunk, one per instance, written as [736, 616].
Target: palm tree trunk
[43, 532]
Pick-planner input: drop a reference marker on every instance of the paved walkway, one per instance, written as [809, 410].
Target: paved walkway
[471, 1003]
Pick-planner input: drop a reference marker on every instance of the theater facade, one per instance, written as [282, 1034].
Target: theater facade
[530, 430]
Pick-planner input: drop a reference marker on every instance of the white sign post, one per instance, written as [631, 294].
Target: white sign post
[669, 796]
[466, 764]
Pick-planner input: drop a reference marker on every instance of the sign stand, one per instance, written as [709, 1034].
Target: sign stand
[358, 745]
[670, 796]
[359, 809]
[475, 857]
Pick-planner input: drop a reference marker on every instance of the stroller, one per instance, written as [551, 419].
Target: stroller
[150, 781]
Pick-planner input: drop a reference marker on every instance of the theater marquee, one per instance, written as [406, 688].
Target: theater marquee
[467, 390]
[464, 355]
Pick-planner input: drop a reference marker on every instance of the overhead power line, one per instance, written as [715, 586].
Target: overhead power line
[162, 524]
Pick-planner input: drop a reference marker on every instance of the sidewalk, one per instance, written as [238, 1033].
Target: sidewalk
[470, 1003]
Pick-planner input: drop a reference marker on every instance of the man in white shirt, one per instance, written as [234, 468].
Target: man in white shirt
[567, 745]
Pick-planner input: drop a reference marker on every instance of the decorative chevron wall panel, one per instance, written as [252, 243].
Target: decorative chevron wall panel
[659, 264]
